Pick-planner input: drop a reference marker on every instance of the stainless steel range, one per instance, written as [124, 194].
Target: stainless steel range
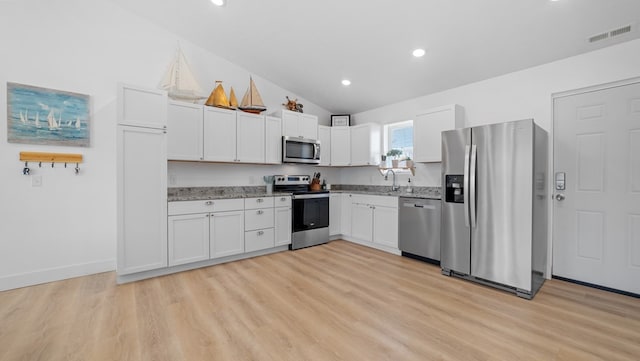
[310, 210]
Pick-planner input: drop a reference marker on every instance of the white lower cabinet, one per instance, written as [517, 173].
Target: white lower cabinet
[362, 221]
[374, 220]
[188, 238]
[210, 229]
[258, 239]
[335, 208]
[385, 226]
[258, 224]
[283, 222]
[199, 230]
[226, 233]
[345, 215]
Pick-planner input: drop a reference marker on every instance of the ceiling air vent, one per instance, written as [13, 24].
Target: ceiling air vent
[598, 37]
[620, 31]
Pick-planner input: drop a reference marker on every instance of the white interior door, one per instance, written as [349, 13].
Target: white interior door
[596, 218]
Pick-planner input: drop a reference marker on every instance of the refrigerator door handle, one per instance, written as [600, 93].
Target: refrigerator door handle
[466, 186]
[472, 185]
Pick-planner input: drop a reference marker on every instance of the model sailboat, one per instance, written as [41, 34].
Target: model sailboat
[218, 98]
[179, 81]
[252, 101]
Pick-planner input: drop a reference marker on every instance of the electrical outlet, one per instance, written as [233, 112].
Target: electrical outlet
[36, 181]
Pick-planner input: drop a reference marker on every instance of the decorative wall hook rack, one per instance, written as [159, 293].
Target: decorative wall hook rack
[40, 157]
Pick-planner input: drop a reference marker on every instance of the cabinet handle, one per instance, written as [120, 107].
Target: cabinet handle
[208, 203]
[259, 200]
[208, 215]
[259, 212]
[283, 199]
[260, 233]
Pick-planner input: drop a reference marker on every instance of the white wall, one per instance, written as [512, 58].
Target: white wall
[67, 227]
[188, 174]
[518, 95]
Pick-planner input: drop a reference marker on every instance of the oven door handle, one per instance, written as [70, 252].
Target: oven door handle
[310, 196]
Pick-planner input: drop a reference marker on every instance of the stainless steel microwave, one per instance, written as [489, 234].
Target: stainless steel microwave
[300, 150]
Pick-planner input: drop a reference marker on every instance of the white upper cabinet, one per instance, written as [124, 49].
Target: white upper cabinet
[301, 125]
[250, 138]
[340, 146]
[273, 140]
[324, 135]
[219, 135]
[184, 127]
[141, 107]
[365, 144]
[427, 129]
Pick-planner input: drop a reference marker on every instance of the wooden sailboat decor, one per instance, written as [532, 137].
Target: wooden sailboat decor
[179, 81]
[233, 101]
[218, 98]
[252, 101]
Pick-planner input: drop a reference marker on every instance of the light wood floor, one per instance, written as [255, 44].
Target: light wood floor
[338, 301]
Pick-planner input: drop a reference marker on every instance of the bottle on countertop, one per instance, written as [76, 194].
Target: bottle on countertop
[324, 184]
[409, 189]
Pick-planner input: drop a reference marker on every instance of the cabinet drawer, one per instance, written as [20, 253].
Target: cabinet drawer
[384, 201]
[258, 219]
[261, 202]
[282, 201]
[205, 206]
[258, 239]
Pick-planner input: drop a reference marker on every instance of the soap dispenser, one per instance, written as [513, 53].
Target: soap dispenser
[409, 189]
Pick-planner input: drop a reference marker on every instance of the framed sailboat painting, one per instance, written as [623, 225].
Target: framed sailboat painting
[47, 116]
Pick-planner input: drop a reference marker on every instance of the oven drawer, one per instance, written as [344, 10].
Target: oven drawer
[258, 219]
[260, 202]
[258, 239]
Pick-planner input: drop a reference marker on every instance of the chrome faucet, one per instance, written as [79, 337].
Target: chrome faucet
[394, 186]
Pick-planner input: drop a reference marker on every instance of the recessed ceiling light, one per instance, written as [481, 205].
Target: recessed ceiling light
[346, 82]
[418, 53]
[219, 2]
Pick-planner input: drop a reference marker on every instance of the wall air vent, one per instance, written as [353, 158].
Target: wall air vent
[620, 31]
[610, 34]
[598, 37]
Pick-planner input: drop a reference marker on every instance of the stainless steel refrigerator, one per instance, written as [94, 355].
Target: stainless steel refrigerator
[494, 205]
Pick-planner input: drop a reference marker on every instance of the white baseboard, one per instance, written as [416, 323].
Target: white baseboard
[55, 274]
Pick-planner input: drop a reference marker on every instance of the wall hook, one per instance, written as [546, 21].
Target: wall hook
[26, 169]
[52, 163]
[39, 164]
[77, 169]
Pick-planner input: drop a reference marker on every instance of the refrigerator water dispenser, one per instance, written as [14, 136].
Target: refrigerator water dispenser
[454, 189]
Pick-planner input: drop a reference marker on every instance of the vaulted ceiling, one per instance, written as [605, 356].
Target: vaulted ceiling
[308, 47]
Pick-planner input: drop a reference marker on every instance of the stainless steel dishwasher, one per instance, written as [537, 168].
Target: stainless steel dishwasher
[419, 228]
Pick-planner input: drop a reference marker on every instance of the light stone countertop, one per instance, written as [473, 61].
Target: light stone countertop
[205, 193]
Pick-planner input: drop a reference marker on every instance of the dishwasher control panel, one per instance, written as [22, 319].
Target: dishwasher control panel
[454, 188]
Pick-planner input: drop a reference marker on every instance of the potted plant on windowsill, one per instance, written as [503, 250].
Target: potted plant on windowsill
[395, 154]
[408, 162]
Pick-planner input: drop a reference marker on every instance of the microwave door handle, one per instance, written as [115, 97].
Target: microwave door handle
[316, 151]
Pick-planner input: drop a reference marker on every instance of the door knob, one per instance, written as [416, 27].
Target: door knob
[560, 197]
